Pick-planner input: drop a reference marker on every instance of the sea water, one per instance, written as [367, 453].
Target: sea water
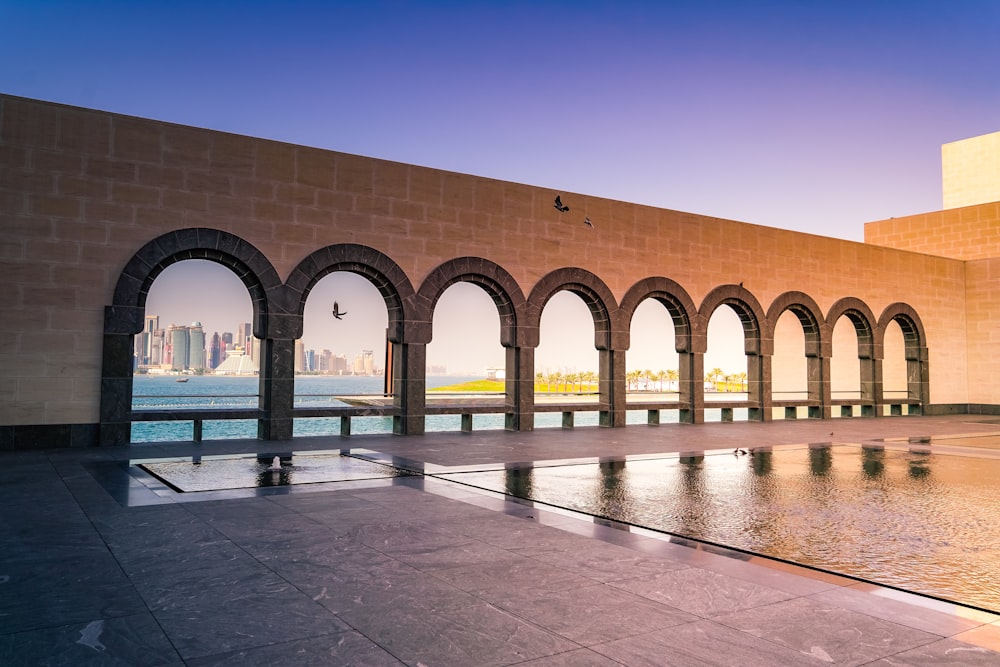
[164, 392]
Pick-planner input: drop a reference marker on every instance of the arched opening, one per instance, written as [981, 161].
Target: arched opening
[789, 368]
[895, 385]
[196, 350]
[341, 358]
[726, 379]
[566, 362]
[652, 368]
[465, 359]
[845, 369]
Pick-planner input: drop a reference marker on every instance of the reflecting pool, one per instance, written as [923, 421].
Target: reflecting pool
[925, 523]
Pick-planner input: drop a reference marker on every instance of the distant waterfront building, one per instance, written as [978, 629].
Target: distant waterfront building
[179, 347]
[338, 363]
[237, 364]
[215, 355]
[196, 347]
[310, 360]
[300, 356]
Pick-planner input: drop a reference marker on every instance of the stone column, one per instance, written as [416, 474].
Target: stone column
[871, 386]
[918, 380]
[116, 390]
[409, 387]
[759, 387]
[692, 387]
[612, 387]
[121, 323]
[818, 370]
[519, 405]
[277, 388]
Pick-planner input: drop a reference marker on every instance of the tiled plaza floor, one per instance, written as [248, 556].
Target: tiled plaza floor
[98, 566]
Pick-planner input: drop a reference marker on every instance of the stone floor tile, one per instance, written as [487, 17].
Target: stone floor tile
[481, 635]
[839, 635]
[497, 577]
[592, 614]
[347, 648]
[124, 641]
[702, 592]
[581, 657]
[944, 653]
[702, 644]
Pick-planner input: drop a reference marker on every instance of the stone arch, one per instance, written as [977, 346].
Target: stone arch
[817, 348]
[747, 308]
[911, 325]
[405, 319]
[124, 318]
[673, 297]
[594, 292]
[808, 313]
[915, 351]
[494, 279]
[136, 279]
[860, 315]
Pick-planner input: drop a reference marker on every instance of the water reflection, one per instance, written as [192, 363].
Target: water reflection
[917, 521]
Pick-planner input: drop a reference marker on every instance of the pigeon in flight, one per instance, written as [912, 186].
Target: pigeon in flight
[337, 312]
[559, 205]
[587, 222]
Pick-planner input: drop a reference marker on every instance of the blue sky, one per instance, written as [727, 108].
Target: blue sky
[812, 116]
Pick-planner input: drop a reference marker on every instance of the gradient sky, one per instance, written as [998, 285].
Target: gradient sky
[811, 116]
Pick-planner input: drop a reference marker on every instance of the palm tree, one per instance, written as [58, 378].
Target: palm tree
[632, 378]
[539, 379]
[742, 377]
[713, 377]
[673, 375]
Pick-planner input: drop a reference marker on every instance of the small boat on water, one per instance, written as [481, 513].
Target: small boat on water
[182, 379]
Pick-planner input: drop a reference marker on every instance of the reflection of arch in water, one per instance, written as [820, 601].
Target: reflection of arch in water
[873, 462]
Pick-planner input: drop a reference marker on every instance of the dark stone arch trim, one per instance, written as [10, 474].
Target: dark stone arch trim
[909, 322]
[594, 292]
[747, 308]
[246, 261]
[494, 279]
[807, 311]
[672, 296]
[388, 278]
[860, 315]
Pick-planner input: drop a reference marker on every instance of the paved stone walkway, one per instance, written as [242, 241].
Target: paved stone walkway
[98, 566]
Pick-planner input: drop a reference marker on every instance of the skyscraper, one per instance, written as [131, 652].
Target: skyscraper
[196, 347]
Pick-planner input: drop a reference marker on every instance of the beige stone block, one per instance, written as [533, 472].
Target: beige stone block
[82, 187]
[275, 161]
[250, 188]
[233, 155]
[229, 207]
[27, 123]
[457, 191]
[51, 251]
[122, 171]
[13, 203]
[185, 147]
[87, 232]
[294, 193]
[184, 200]
[269, 210]
[408, 210]
[488, 196]
[299, 234]
[157, 176]
[84, 132]
[391, 179]
[215, 183]
[56, 162]
[13, 157]
[135, 139]
[316, 168]
[95, 211]
[72, 411]
[335, 201]
[127, 193]
[30, 389]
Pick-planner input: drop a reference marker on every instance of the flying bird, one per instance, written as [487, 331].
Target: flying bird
[337, 312]
[587, 222]
[559, 205]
